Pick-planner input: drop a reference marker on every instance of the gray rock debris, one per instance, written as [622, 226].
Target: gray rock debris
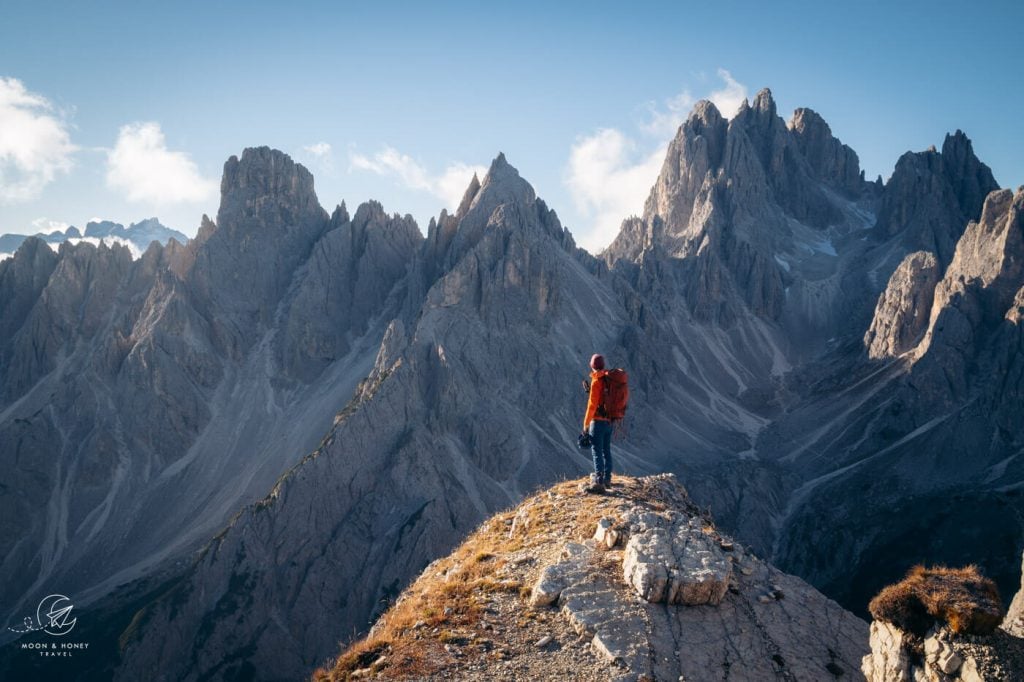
[944, 656]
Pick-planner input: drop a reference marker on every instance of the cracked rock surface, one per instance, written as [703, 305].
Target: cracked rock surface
[636, 584]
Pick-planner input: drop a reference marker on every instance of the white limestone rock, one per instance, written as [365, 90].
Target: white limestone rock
[676, 564]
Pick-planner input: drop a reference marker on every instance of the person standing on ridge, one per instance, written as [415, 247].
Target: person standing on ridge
[606, 403]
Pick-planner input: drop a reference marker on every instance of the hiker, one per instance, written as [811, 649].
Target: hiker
[606, 404]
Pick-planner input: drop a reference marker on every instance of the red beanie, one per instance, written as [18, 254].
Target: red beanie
[597, 362]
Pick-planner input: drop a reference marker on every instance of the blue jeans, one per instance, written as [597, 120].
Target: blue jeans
[601, 445]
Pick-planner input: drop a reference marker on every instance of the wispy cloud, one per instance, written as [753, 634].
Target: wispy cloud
[319, 150]
[610, 173]
[448, 185]
[47, 226]
[35, 145]
[141, 166]
[319, 156]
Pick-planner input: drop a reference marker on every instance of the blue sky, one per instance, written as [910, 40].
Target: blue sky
[127, 110]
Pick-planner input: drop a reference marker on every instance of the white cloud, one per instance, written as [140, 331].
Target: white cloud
[610, 174]
[449, 185]
[34, 143]
[320, 149]
[609, 178]
[49, 226]
[141, 165]
[319, 155]
[729, 98]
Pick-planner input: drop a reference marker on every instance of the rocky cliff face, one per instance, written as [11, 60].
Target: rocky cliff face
[143, 401]
[901, 316]
[828, 158]
[756, 213]
[943, 425]
[932, 195]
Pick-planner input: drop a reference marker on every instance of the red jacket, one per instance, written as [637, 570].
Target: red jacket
[596, 389]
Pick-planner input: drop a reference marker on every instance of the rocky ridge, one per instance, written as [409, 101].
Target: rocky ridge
[634, 585]
[142, 401]
[138, 236]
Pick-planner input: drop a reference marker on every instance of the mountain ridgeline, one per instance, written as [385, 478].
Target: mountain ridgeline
[832, 365]
[137, 235]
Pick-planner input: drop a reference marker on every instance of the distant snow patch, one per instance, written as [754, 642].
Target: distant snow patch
[783, 264]
[823, 245]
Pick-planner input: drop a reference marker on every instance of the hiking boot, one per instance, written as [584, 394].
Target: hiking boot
[606, 480]
[596, 486]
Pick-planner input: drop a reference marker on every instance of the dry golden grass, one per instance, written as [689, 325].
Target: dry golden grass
[961, 597]
[452, 593]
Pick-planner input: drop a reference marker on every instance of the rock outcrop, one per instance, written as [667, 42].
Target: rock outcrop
[976, 294]
[543, 591]
[668, 558]
[829, 158]
[901, 316]
[932, 195]
[957, 646]
[349, 277]
[943, 657]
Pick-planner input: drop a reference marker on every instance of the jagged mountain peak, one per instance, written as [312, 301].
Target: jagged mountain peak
[932, 195]
[499, 162]
[371, 214]
[468, 196]
[829, 158]
[807, 121]
[340, 214]
[764, 102]
[101, 228]
[31, 248]
[369, 211]
[268, 221]
[705, 111]
[501, 186]
[146, 222]
[265, 179]
[503, 180]
[972, 180]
